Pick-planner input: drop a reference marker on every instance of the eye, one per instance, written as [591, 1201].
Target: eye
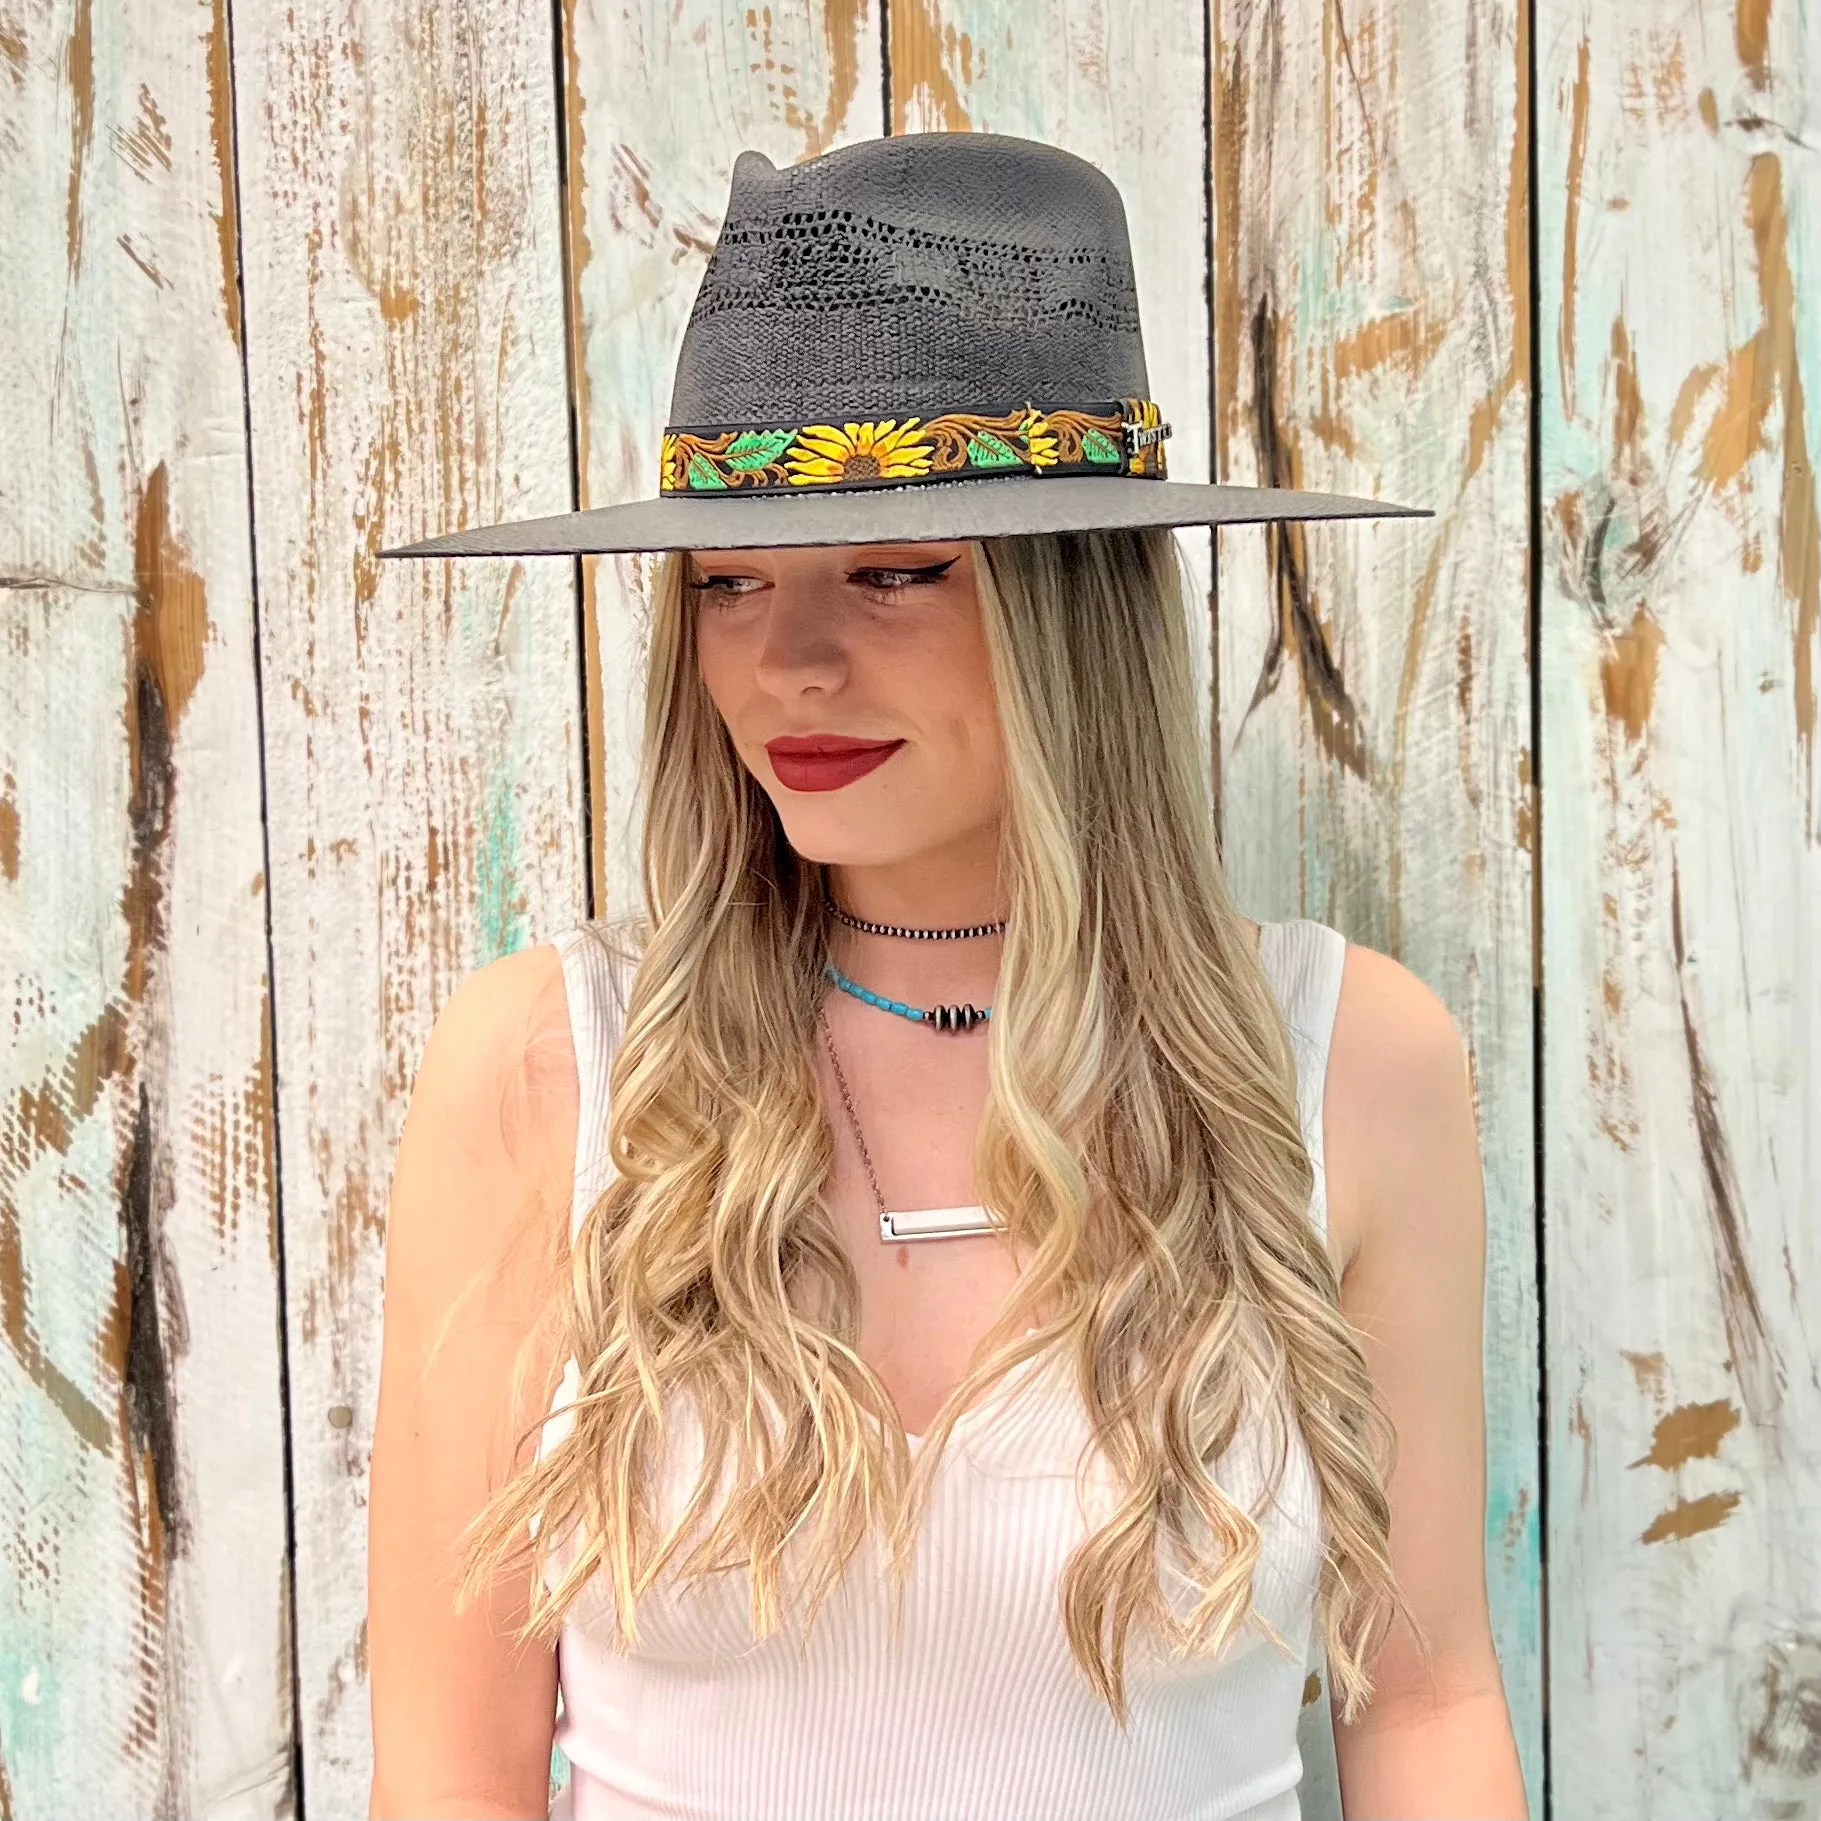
[889, 581]
[722, 590]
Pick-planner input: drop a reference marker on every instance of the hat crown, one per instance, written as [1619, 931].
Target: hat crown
[920, 273]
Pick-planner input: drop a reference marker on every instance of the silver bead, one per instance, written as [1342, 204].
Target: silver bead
[955, 1017]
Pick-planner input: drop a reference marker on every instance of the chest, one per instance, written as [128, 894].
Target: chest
[926, 1305]
[1016, 1494]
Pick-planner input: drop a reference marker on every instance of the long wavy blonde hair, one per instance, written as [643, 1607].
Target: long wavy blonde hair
[1140, 1142]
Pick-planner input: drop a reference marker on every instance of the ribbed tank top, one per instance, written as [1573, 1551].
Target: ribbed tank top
[977, 1708]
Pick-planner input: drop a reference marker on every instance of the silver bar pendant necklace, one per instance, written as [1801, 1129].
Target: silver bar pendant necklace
[934, 1223]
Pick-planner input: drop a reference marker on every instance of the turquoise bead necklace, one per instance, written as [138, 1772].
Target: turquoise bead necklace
[943, 1017]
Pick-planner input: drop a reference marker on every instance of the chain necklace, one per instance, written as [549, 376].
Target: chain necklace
[896, 1226]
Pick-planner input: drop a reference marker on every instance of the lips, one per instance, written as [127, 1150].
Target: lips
[816, 763]
[821, 745]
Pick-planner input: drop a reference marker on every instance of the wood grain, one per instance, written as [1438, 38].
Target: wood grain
[659, 100]
[144, 1589]
[1681, 386]
[1371, 331]
[405, 354]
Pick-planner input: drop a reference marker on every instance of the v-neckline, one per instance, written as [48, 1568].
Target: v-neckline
[993, 1399]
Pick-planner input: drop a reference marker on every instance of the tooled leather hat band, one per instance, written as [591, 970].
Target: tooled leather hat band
[1118, 437]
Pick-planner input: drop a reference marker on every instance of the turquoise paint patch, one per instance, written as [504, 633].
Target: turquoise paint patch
[30, 1705]
[1514, 1544]
[1514, 1589]
[1318, 883]
[1575, 451]
[499, 899]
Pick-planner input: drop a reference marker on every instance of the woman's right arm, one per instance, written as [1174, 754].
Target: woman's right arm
[478, 1224]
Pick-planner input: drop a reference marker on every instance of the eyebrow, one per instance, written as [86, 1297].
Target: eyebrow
[881, 557]
[921, 560]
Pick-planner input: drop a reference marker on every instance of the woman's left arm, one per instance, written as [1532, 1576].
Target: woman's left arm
[1401, 1149]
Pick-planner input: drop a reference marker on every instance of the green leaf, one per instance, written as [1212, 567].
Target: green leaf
[989, 451]
[1097, 446]
[757, 448]
[702, 473]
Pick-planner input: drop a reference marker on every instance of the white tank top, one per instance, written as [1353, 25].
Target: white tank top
[977, 1708]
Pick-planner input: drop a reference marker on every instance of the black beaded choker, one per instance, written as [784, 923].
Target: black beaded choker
[919, 935]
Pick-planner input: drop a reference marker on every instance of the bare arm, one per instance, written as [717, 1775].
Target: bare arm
[1400, 1139]
[462, 1717]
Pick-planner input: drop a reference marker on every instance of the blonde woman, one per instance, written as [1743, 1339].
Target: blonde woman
[941, 1316]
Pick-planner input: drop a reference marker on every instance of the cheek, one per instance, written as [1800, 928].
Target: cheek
[982, 706]
[970, 732]
[715, 665]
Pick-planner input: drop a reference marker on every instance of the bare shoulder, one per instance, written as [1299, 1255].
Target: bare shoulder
[522, 1025]
[501, 1055]
[485, 1160]
[1399, 1096]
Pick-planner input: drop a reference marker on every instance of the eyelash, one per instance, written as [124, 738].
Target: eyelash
[714, 586]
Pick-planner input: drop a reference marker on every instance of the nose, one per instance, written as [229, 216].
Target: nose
[799, 642]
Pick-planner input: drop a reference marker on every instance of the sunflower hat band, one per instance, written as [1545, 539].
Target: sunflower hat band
[1124, 437]
[928, 337]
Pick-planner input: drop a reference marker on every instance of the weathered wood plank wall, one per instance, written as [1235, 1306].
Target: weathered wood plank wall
[1371, 335]
[144, 1589]
[466, 230]
[1680, 380]
[405, 362]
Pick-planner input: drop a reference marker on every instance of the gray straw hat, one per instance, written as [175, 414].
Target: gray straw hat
[928, 336]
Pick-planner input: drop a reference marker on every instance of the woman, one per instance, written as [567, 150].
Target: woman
[982, 1282]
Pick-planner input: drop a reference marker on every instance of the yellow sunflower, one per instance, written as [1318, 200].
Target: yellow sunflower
[670, 465]
[1039, 439]
[888, 452]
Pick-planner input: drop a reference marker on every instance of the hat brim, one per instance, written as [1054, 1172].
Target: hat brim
[919, 512]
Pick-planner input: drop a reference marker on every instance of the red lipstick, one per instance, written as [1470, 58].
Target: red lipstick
[825, 761]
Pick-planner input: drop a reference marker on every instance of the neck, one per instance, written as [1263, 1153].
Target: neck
[919, 895]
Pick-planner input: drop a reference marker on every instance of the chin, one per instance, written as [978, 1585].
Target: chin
[818, 842]
[844, 837]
